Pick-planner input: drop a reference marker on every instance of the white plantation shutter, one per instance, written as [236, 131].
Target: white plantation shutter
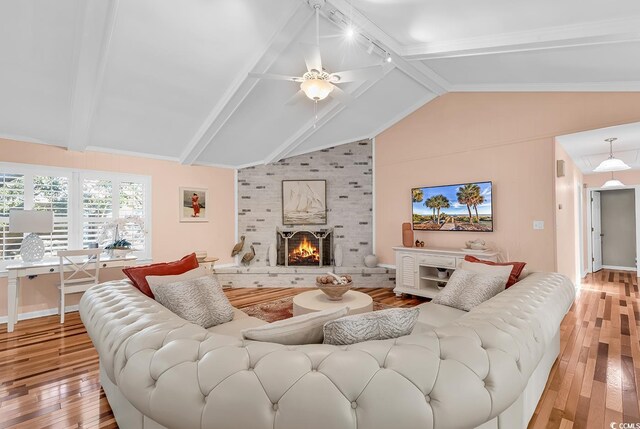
[51, 193]
[11, 197]
[97, 209]
[83, 203]
[132, 204]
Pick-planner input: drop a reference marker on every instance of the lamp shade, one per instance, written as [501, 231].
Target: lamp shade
[611, 164]
[30, 221]
[613, 183]
[316, 89]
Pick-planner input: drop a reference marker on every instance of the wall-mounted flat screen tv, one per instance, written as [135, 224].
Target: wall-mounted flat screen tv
[463, 207]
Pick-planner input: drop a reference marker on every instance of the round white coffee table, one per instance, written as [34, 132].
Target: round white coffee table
[315, 300]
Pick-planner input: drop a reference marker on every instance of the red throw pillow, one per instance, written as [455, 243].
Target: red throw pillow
[515, 271]
[138, 274]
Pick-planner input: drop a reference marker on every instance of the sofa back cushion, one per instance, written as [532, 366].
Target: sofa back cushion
[201, 301]
[138, 275]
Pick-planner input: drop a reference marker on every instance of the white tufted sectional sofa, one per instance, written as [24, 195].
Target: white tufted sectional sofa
[486, 368]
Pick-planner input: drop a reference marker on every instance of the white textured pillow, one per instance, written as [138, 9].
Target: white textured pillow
[303, 329]
[200, 301]
[494, 270]
[378, 325]
[189, 275]
[467, 289]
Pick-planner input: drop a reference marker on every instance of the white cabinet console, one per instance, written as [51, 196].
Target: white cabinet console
[418, 268]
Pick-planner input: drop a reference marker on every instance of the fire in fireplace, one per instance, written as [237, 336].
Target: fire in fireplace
[298, 247]
[305, 254]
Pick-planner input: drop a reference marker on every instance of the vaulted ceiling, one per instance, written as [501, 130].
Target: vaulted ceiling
[170, 80]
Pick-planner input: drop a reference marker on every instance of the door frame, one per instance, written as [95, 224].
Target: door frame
[636, 188]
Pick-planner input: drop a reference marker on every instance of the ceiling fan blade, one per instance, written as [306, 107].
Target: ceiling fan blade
[358, 75]
[272, 76]
[311, 56]
[341, 96]
[297, 98]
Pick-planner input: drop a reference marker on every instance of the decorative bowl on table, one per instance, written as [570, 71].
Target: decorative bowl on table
[332, 289]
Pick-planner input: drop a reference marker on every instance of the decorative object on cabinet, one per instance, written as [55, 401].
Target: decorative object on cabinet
[193, 205]
[407, 235]
[417, 268]
[476, 244]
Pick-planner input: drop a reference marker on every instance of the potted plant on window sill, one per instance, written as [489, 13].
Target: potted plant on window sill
[119, 249]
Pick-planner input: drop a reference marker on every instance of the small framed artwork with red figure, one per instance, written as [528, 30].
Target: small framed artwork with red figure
[193, 205]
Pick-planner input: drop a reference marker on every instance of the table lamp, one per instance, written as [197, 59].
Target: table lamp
[31, 222]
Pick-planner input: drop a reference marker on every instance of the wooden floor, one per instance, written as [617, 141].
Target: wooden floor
[596, 380]
[49, 372]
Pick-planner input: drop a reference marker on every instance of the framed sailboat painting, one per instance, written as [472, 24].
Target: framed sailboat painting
[304, 202]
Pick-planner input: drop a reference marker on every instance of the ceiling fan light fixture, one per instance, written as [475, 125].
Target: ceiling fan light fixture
[611, 163]
[316, 89]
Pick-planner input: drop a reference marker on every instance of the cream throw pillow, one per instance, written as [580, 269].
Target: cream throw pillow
[468, 289]
[189, 275]
[201, 301]
[303, 329]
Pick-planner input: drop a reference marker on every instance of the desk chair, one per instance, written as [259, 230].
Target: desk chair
[75, 272]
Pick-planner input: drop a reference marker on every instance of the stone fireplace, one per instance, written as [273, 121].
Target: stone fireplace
[304, 247]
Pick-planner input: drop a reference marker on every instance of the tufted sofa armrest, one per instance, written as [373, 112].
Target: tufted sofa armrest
[459, 375]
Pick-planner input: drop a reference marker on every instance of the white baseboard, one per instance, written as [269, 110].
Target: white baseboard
[40, 313]
[615, 267]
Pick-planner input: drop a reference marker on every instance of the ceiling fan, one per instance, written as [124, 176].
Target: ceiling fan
[318, 84]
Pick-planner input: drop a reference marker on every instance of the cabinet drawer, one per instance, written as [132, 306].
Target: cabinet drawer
[438, 261]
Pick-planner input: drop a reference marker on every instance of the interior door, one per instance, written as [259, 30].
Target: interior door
[596, 232]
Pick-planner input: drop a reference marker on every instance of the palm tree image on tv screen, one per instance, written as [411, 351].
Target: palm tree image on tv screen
[465, 207]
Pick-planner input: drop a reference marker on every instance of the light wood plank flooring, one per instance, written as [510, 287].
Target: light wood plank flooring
[49, 372]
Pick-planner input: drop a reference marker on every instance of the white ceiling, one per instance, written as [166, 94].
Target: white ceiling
[169, 80]
[589, 148]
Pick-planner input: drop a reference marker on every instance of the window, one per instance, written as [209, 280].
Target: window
[88, 206]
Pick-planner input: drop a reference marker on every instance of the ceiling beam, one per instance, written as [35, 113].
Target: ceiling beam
[95, 31]
[243, 85]
[584, 34]
[324, 116]
[417, 71]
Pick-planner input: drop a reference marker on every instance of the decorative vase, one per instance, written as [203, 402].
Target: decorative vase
[273, 255]
[407, 235]
[442, 273]
[337, 255]
[371, 261]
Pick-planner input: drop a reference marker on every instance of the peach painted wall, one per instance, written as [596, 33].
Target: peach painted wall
[504, 137]
[170, 238]
[568, 196]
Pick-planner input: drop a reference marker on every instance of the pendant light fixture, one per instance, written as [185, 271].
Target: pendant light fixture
[612, 183]
[611, 163]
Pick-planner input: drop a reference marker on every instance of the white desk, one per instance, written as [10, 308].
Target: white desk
[49, 266]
